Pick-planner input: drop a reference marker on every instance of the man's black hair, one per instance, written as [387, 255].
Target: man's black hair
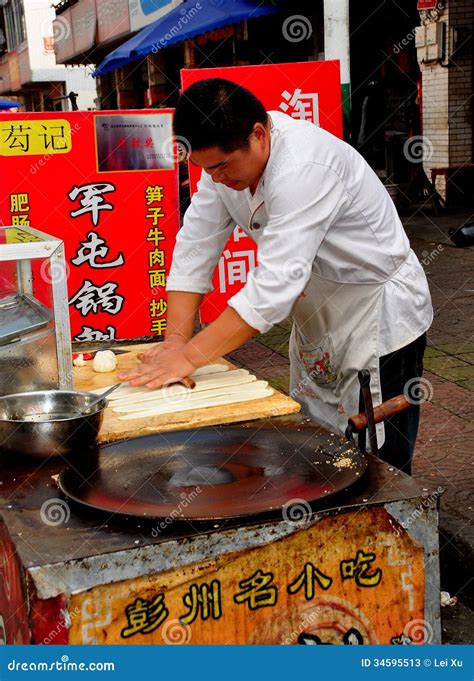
[217, 113]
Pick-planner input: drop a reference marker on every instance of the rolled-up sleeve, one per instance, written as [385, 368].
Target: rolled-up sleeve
[302, 203]
[206, 228]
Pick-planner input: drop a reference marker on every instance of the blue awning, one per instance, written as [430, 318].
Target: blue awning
[185, 21]
[9, 104]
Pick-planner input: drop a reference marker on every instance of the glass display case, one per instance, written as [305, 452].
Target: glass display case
[35, 339]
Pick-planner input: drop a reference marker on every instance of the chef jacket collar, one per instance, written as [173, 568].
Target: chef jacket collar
[256, 200]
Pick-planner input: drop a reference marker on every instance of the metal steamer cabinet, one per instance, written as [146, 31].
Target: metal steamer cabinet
[35, 342]
[357, 565]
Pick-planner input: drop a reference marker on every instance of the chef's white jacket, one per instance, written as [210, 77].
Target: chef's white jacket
[318, 206]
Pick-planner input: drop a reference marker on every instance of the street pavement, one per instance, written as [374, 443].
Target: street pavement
[444, 454]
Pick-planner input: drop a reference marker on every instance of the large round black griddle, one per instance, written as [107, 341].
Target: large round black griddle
[214, 473]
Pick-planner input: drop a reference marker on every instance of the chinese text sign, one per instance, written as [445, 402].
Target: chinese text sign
[106, 183]
[308, 91]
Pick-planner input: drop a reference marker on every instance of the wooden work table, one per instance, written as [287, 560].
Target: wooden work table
[85, 378]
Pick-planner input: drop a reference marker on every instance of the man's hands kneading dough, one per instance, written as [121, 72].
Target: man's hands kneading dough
[161, 365]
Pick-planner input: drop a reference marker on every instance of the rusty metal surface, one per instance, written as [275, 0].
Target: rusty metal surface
[224, 472]
[25, 492]
[420, 519]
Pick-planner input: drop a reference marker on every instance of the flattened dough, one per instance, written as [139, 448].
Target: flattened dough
[190, 398]
[209, 369]
[243, 396]
[203, 383]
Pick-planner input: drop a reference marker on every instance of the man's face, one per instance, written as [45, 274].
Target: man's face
[237, 169]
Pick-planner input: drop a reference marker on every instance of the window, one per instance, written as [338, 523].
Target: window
[14, 23]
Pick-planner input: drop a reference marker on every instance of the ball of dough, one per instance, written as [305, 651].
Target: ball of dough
[104, 361]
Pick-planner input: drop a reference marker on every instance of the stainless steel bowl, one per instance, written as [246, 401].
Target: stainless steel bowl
[45, 423]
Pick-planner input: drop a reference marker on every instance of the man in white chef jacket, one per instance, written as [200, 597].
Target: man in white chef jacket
[332, 254]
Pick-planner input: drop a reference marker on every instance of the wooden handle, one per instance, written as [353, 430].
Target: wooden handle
[381, 412]
[187, 382]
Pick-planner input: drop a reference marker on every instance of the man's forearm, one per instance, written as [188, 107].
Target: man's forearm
[226, 333]
[183, 307]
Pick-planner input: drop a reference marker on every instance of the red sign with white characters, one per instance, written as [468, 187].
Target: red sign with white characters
[106, 183]
[304, 90]
[428, 4]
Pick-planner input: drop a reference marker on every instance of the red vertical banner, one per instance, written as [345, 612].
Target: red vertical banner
[304, 90]
[106, 183]
[13, 601]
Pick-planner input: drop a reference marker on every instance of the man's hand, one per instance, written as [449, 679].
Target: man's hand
[175, 359]
[169, 366]
[159, 352]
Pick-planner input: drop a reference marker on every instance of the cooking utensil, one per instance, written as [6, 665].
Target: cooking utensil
[370, 416]
[382, 411]
[46, 422]
[211, 473]
[187, 381]
[90, 406]
[366, 404]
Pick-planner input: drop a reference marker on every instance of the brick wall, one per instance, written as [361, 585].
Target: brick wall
[435, 115]
[447, 97]
[461, 13]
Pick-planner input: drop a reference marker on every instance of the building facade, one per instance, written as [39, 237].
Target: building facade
[28, 67]
[445, 49]
[407, 67]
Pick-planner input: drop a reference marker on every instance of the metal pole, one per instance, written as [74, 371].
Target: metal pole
[337, 46]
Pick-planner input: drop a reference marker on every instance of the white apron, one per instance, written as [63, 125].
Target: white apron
[334, 335]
